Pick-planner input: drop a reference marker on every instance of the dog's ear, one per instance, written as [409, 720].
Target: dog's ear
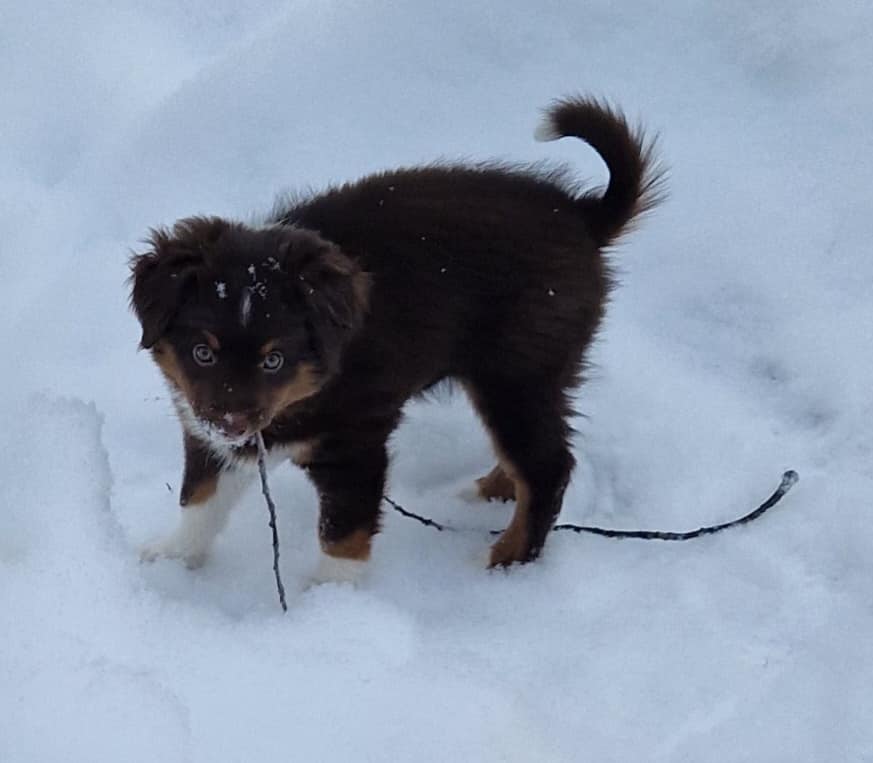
[159, 286]
[333, 288]
[161, 277]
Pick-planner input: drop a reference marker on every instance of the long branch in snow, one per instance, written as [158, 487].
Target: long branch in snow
[265, 489]
[789, 479]
[417, 517]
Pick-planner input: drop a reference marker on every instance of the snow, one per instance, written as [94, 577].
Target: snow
[735, 348]
[245, 307]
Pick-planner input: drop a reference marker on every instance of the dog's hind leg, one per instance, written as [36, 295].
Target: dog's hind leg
[527, 421]
[209, 492]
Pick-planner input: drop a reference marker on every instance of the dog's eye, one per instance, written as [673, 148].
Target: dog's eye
[273, 362]
[203, 355]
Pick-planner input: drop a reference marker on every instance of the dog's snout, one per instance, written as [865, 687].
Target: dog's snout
[234, 424]
[238, 423]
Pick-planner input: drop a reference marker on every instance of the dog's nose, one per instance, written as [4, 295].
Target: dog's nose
[234, 424]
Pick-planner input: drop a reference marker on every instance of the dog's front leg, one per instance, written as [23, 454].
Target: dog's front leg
[350, 477]
[210, 489]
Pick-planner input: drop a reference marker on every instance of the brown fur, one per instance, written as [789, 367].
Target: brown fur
[204, 490]
[306, 382]
[165, 357]
[354, 546]
[302, 452]
[372, 292]
[514, 542]
[213, 342]
[202, 470]
[496, 484]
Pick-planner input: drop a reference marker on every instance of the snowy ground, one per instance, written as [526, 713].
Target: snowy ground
[737, 347]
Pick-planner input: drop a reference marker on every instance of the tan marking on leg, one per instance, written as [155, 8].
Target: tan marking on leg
[354, 546]
[512, 545]
[204, 491]
[496, 484]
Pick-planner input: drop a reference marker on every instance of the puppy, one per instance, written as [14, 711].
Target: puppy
[316, 328]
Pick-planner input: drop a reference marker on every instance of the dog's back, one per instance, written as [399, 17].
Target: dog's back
[493, 260]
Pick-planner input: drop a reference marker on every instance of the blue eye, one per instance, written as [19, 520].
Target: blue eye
[273, 362]
[203, 355]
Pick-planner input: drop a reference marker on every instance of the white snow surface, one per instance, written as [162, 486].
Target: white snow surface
[736, 347]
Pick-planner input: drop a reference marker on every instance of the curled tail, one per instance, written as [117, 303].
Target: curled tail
[636, 182]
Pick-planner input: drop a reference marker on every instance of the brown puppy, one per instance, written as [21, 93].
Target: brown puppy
[318, 326]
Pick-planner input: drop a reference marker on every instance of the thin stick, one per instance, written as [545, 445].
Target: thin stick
[417, 517]
[789, 479]
[265, 489]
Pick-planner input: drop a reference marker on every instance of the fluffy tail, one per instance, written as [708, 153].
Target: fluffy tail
[636, 182]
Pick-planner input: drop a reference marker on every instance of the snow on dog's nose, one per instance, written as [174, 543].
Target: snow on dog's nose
[234, 424]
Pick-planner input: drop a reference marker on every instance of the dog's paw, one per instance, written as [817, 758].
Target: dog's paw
[172, 548]
[333, 570]
[513, 546]
[494, 486]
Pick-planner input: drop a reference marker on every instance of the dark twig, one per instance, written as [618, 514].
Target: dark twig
[417, 517]
[265, 489]
[789, 479]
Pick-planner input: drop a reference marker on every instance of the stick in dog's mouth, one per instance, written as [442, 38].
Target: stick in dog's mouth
[271, 507]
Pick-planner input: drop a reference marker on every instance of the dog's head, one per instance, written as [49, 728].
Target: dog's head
[244, 322]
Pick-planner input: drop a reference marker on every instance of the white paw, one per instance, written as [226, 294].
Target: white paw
[172, 547]
[333, 570]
